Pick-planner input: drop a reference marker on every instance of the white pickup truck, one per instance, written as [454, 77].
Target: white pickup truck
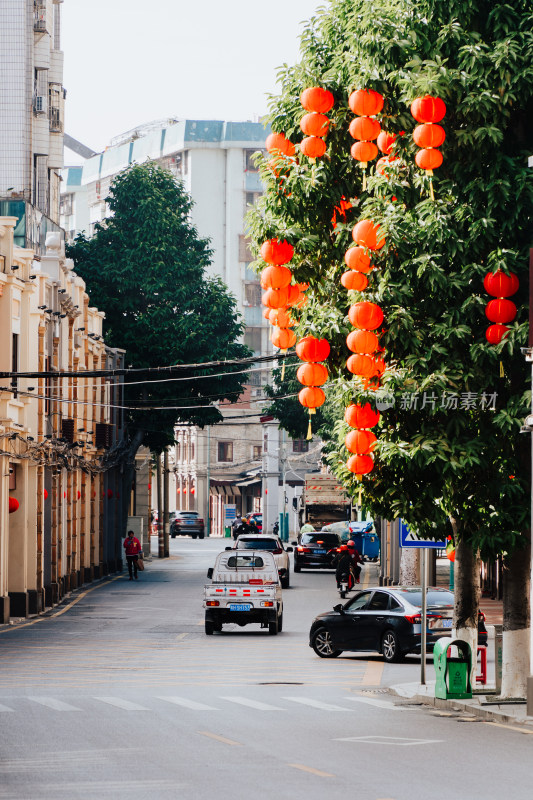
[245, 588]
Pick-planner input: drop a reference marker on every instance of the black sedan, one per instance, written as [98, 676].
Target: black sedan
[312, 550]
[386, 620]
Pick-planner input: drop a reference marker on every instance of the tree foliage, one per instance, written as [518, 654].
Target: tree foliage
[434, 464]
[146, 268]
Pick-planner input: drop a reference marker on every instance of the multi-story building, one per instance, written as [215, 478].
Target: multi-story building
[31, 118]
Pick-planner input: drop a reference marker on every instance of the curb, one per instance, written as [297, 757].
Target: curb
[459, 705]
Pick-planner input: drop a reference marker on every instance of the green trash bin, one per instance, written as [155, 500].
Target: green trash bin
[453, 665]
[227, 532]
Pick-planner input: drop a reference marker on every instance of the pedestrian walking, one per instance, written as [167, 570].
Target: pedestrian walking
[132, 547]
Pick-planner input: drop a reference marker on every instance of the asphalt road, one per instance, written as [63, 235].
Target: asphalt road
[121, 695]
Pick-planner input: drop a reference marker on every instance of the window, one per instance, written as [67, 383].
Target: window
[245, 254]
[249, 161]
[379, 602]
[252, 198]
[359, 602]
[246, 562]
[300, 446]
[257, 452]
[252, 338]
[394, 604]
[15, 362]
[225, 451]
[66, 204]
[253, 294]
[178, 451]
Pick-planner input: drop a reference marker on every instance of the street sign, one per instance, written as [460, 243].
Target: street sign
[229, 513]
[410, 539]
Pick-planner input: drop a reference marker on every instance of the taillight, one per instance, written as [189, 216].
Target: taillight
[255, 581]
[267, 603]
[212, 603]
[319, 541]
[303, 549]
[201, 521]
[414, 619]
[278, 551]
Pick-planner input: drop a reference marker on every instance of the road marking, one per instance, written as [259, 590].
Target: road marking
[509, 727]
[244, 701]
[373, 701]
[192, 704]
[181, 636]
[306, 701]
[126, 705]
[53, 703]
[312, 770]
[400, 741]
[373, 673]
[220, 738]
[5, 708]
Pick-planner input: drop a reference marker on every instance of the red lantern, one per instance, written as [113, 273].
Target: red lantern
[311, 397]
[498, 284]
[313, 147]
[365, 315]
[428, 135]
[79, 494]
[364, 128]
[365, 102]
[280, 318]
[312, 374]
[314, 124]
[360, 465]
[283, 338]
[275, 277]
[293, 294]
[278, 143]
[312, 349]
[500, 310]
[361, 365]
[364, 151]
[495, 333]
[428, 109]
[276, 298]
[354, 281]
[368, 234]
[13, 505]
[360, 442]
[361, 341]
[358, 259]
[266, 312]
[429, 159]
[276, 252]
[386, 141]
[317, 99]
[46, 494]
[358, 416]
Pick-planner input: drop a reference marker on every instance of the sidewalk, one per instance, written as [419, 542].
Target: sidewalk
[484, 706]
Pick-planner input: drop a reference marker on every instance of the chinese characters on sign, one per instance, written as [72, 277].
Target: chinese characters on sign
[447, 401]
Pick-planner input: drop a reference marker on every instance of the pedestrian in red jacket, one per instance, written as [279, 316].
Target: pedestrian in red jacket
[133, 547]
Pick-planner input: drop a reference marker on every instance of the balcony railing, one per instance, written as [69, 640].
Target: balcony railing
[39, 18]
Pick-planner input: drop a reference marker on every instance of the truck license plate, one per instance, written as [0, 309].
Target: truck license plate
[239, 606]
[446, 623]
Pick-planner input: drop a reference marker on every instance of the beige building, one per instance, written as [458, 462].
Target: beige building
[60, 509]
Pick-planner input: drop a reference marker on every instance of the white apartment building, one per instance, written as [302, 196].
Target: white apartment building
[31, 118]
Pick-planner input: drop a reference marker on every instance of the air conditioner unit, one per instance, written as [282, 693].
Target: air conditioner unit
[39, 104]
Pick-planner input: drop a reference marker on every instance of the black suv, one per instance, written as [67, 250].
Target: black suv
[312, 550]
[187, 522]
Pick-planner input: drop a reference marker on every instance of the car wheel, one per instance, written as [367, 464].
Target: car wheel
[273, 627]
[201, 534]
[172, 535]
[390, 647]
[297, 569]
[209, 627]
[280, 622]
[286, 580]
[322, 644]
[193, 535]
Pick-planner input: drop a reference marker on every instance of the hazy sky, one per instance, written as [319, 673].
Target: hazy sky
[132, 61]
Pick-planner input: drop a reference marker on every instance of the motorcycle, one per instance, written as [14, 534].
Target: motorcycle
[275, 528]
[345, 582]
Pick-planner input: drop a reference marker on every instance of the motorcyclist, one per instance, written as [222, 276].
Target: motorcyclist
[356, 559]
[342, 561]
[239, 526]
[251, 525]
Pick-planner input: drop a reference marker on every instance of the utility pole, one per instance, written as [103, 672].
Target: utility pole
[283, 527]
[165, 503]
[208, 481]
[160, 532]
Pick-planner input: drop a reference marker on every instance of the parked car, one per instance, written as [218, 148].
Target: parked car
[264, 541]
[386, 620]
[312, 550]
[187, 523]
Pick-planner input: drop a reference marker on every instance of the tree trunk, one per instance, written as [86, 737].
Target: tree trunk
[165, 502]
[410, 566]
[516, 622]
[160, 525]
[467, 594]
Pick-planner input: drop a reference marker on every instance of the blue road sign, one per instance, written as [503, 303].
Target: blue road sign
[410, 539]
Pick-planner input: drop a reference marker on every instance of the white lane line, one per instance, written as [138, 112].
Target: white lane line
[53, 703]
[373, 701]
[118, 702]
[306, 701]
[4, 708]
[192, 704]
[244, 701]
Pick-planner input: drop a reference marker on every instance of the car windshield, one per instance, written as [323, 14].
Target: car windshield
[326, 539]
[257, 544]
[436, 598]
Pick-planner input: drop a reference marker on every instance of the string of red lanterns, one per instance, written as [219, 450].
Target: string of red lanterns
[366, 103]
[317, 102]
[501, 310]
[312, 374]
[428, 110]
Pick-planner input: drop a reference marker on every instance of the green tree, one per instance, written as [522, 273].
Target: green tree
[145, 267]
[435, 466]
